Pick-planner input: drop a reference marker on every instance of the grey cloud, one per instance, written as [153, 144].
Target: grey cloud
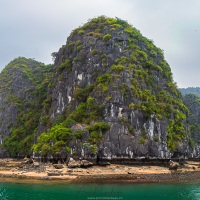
[37, 28]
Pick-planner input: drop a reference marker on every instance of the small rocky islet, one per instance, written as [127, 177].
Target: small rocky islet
[109, 94]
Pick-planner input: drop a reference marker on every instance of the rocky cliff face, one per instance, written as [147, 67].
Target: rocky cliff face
[20, 98]
[110, 92]
[193, 119]
[113, 93]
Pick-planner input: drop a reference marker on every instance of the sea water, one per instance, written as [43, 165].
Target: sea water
[43, 191]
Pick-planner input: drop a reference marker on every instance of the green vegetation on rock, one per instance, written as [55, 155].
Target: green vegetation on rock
[149, 73]
[107, 75]
[24, 84]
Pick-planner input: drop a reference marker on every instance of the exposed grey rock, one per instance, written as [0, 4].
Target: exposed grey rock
[74, 164]
[54, 173]
[86, 163]
[58, 166]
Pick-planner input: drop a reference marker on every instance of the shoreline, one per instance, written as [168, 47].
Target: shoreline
[175, 177]
[113, 173]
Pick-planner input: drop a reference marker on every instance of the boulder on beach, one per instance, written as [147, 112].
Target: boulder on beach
[54, 173]
[2, 164]
[58, 166]
[86, 163]
[173, 165]
[36, 164]
[73, 164]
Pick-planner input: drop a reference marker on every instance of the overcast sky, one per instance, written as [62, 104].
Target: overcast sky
[36, 28]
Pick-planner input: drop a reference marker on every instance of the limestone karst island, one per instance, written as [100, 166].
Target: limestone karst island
[107, 106]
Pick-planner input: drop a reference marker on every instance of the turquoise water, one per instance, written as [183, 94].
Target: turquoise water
[19, 191]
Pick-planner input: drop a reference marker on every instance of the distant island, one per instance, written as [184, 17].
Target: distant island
[190, 90]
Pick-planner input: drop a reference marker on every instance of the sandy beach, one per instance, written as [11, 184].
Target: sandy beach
[11, 170]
